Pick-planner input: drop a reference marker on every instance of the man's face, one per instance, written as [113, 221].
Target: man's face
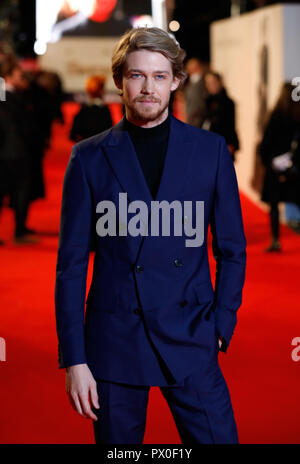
[194, 66]
[212, 84]
[17, 79]
[147, 84]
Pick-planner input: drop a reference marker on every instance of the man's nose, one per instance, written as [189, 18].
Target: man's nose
[148, 85]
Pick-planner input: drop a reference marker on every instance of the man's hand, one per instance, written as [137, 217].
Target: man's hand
[81, 388]
[220, 342]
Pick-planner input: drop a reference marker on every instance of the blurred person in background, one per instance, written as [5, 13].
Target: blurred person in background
[48, 97]
[281, 137]
[94, 116]
[6, 52]
[194, 92]
[43, 99]
[219, 113]
[15, 162]
[38, 136]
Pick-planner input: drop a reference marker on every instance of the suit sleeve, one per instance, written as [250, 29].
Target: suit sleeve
[72, 263]
[229, 246]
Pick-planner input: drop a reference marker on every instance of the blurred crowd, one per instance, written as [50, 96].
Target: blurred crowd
[209, 107]
[207, 104]
[33, 102]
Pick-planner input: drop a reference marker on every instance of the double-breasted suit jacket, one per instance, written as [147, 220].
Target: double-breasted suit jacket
[151, 299]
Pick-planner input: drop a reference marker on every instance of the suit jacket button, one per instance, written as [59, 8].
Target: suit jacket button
[178, 262]
[183, 303]
[137, 310]
[139, 269]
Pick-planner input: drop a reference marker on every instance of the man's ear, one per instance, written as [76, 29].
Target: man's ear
[175, 83]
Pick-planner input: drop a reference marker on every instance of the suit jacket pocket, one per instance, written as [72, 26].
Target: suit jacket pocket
[205, 298]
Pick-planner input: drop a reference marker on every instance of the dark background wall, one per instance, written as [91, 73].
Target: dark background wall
[196, 16]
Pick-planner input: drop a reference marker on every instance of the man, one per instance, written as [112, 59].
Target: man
[195, 92]
[94, 115]
[152, 317]
[219, 116]
[15, 156]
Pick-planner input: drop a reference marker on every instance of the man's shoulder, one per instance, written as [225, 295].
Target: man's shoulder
[198, 134]
[92, 143]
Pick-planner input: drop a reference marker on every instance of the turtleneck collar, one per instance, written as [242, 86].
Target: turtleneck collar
[143, 132]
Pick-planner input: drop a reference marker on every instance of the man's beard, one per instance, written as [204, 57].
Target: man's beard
[144, 114]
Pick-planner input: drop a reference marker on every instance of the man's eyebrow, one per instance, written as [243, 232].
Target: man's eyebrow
[141, 71]
[134, 70]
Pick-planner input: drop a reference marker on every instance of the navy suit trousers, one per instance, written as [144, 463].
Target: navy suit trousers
[201, 409]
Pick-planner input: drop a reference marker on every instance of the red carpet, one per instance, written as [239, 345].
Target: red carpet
[263, 379]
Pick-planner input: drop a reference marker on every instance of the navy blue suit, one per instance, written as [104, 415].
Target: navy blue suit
[152, 316]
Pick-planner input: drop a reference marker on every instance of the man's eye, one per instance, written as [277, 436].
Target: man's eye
[135, 75]
[160, 76]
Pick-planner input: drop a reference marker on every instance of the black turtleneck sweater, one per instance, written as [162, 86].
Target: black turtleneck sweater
[151, 147]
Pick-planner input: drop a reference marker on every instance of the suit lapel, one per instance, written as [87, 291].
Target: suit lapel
[176, 162]
[126, 166]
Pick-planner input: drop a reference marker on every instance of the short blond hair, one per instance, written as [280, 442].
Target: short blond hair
[152, 39]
